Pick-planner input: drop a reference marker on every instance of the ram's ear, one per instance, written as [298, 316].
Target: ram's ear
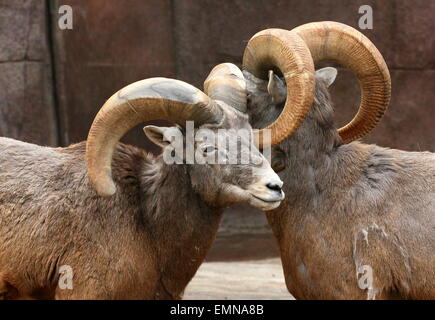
[327, 75]
[163, 136]
[278, 159]
[276, 88]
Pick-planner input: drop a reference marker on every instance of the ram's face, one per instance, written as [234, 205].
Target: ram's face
[234, 171]
[224, 165]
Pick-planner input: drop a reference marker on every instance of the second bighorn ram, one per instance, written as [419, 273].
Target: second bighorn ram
[352, 211]
[129, 225]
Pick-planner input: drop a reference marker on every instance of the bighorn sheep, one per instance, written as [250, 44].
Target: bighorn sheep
[147, 226]
[358, 220]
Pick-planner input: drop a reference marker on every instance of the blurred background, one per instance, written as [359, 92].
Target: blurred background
[53, 81]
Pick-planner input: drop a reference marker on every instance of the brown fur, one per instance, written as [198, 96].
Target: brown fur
[60, 221]
[349, 205]
[145, 242]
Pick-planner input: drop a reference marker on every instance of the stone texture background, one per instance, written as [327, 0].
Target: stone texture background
[52, 81]
[27, 108]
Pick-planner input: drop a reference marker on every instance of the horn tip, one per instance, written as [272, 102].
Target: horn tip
[106, 189]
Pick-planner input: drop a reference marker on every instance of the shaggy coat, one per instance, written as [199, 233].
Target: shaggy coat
[110, 242]
[349, 208]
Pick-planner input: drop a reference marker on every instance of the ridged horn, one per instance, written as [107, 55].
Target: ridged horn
[285, 51]
[227, 83]
[337, 42]
[155, 98]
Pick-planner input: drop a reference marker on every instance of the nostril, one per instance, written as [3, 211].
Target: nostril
[274, 187]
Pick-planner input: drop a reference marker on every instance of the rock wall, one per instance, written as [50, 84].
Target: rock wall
[114, 43]
[27, 108]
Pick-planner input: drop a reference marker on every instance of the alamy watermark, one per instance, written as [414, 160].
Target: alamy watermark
[221, 146]
[366, 20]
[365, 281]
[65, 21]
[66, 277]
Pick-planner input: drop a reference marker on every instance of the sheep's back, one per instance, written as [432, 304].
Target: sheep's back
[50, 215]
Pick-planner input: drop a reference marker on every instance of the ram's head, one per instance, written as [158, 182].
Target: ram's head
[279, 69]
[212, 137]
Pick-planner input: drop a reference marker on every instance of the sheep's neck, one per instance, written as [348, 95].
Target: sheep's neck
[318, 171]
[182, 224]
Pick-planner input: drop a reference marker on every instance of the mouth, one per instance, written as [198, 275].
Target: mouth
[267, 200]
[267, 203]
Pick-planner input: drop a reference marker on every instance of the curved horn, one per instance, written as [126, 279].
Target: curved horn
[343, 44]
[227, 83]
[155, 98]
[286, 51]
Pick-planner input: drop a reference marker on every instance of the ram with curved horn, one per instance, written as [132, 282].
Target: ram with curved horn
[122, 223]
[358, 219]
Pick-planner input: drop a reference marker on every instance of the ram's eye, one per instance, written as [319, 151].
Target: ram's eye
[208, 149]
